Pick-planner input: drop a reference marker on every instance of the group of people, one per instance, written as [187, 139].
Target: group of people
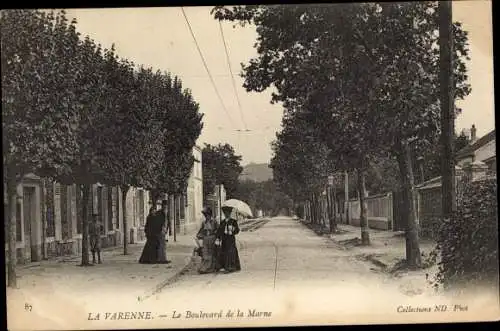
[156, 227]
[218, 250]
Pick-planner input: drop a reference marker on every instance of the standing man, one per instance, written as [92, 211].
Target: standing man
[95, 230]
[163, 227]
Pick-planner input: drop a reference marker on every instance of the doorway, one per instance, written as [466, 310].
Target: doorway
[29, 213]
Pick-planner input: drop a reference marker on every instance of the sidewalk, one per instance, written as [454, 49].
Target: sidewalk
[120, 276]
[386, 249]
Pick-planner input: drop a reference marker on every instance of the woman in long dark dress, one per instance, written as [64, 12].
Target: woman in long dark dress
[162, 231]
[150, 251]
[226, 233]
[207, 233]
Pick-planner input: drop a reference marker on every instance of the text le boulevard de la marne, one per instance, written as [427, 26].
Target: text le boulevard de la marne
[147, 315]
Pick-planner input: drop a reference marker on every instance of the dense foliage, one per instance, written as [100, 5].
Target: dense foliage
[264, 196]
[468, 242]
[372, 73]
[76, 112]
[220, 166]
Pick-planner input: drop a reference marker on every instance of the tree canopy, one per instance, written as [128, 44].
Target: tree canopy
[263, 196]
[366, 73]
[220, 165]
[76, 112]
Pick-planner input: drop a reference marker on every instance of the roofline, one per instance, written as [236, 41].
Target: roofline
[490, 136]
[490, 158]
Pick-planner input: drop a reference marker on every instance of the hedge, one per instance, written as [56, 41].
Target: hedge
[468, 242]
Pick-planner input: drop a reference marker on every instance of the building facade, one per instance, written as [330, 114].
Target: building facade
[192, 201]
[49, 214]
[49, 217]
[479, 150]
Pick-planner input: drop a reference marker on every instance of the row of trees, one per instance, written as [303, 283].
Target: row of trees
[359, 83]
[78, 114]
[264, 196]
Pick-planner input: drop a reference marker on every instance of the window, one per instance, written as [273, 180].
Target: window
[182, 206]
[117, 207]
[141, 207]
[100, 216]
[51, 225]
[72, 208]
[110, 207]
[65, 221]
[79, 209]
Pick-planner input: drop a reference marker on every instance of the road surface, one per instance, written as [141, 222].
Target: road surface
[280, 253]
[289, 276]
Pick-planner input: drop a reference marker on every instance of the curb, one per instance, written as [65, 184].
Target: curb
[337, 244]
[376, 262]
[172, 279]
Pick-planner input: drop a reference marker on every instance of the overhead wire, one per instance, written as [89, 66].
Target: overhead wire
[206, 66]
[232, 75]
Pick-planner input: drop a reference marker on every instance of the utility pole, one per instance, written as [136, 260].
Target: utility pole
[346, 196]
[447, 108]
[220, 203]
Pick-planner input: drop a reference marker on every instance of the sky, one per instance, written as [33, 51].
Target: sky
[160, 38]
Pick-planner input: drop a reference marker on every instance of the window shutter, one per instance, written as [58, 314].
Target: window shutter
[73, 213]
[63, 209]
[57, 210]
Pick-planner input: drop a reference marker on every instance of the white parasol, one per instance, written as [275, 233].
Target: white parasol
[240, 206]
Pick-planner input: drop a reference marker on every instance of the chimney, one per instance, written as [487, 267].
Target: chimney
[473, 133]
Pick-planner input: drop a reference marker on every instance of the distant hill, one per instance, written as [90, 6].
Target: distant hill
[259, 172]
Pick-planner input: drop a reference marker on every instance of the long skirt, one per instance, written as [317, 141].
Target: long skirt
[162, 249]
[208, 263]
[230, 259]
[149, 252]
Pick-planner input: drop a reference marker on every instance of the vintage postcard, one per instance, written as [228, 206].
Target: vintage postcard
[284, 165]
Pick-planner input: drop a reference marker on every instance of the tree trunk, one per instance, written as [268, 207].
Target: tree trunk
[11, 234]
[44, 217]
[306, 211]
[363, 219]
[316, 209]
[125, 189]
[411, 177]
[176, 205]
[413, 258]
[334, 208]
[322, 210]
[329, 208]
[346, 196]
[85, 224]
[310, 211]
[340, 209]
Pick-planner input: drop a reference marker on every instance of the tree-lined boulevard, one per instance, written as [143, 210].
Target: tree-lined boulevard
[369, 93]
